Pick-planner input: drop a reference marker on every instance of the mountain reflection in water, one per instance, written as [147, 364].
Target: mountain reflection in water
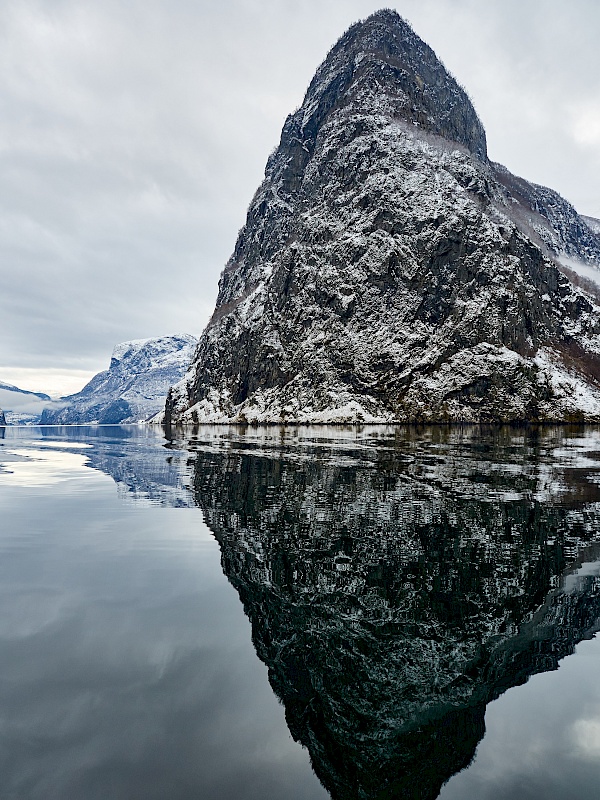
[394, 590]
[398, 580]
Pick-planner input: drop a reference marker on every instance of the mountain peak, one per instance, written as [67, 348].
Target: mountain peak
[378, 28]
[380, 64]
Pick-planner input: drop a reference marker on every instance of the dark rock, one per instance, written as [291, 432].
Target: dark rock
[550, 220]
[115, 412]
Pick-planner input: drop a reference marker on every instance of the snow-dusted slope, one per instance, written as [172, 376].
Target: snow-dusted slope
[389, 272]
[549, 219]
[133, 388]
[555, 226]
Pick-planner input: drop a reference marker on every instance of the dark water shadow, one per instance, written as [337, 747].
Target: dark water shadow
[399, 580]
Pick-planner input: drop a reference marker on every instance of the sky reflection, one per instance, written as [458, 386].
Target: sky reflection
[393, 583]
[127, 669]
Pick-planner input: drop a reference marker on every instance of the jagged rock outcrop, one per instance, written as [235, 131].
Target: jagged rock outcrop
[398, 584]
[388, 271]
[133, 388]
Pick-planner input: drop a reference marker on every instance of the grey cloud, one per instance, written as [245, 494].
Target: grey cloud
[134, 135]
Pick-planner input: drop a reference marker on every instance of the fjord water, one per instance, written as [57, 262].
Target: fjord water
[180, 615]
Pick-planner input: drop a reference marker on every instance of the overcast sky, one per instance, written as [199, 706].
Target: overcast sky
[133, 134]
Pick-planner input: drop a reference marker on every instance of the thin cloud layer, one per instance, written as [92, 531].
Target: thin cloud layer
[133, 136]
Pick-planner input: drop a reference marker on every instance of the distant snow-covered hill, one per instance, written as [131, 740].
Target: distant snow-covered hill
[134, 386]
[21, 406]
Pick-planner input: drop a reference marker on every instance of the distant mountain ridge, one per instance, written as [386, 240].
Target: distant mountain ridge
[134, 386]
[21, 407]
[8, 387]
[389, 272]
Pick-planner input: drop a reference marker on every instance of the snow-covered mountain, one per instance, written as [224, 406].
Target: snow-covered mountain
[134, 386]
[21, 406]
[388, 271]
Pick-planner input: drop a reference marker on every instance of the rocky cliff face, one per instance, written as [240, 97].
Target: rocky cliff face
[133, 388]
[388, 271]
[549, 220]
[2, 417]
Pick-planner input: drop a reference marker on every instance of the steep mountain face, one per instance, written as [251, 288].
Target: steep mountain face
[388, 271]
[133, 388]
[399, 583]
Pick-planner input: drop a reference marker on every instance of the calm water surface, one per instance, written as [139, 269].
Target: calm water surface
[299, 613]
